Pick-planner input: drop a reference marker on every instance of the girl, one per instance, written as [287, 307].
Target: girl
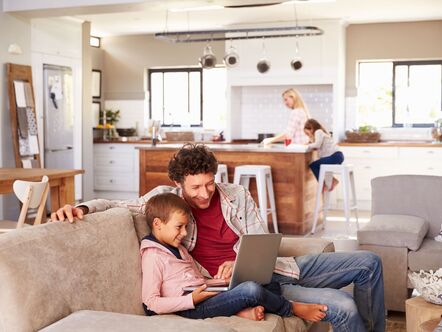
[167, 268]
[294, 132]
[328, 152]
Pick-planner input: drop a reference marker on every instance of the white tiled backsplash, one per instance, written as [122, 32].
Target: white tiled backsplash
[131, 113]
[263, 110]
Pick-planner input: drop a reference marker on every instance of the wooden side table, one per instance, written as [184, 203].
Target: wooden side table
[419, 311]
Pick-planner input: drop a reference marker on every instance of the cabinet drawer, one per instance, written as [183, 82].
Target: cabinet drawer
[114, 183]
[421, 153]
[370, 152]
[122, 162]
[113, 148]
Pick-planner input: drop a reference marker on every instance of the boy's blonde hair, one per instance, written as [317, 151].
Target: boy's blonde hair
[162, 206]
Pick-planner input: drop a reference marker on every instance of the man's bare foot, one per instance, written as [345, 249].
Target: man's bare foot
[335, 182]
[253, 313]
[311, 312]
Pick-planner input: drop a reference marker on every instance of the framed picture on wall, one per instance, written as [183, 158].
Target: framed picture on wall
[96, 83]
[96, 109]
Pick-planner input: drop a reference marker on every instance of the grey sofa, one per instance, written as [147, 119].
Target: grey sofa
[406, 216]
[86, 276]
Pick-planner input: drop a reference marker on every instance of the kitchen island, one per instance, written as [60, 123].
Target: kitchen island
[293, 182]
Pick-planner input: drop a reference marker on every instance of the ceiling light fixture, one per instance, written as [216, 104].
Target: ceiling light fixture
[231, 59]
[264, 64]
[208, 60]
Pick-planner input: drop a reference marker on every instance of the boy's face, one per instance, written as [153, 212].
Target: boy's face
[198, 189]
[173, 231]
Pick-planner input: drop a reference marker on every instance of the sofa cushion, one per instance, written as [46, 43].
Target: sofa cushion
[393, 230]
[141, 226]
[93, 321]
[428, 257]
[272, 323]
[51, 270]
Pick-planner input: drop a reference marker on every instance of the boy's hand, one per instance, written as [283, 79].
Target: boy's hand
[225, 270]
[199, 295]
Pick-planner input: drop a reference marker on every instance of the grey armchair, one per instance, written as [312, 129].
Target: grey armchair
[406, 216]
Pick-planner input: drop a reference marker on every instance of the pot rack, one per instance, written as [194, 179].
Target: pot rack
[238, 34]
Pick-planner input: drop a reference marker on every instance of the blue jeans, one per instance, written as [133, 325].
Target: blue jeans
[322, 276]
[336, 158]
[246, 294]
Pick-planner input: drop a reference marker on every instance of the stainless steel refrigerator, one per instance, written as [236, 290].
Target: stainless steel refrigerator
[58, 117]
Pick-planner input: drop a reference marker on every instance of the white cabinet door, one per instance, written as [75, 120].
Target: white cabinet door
[116, 168]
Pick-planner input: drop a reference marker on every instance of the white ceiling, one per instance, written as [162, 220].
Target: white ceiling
[150, 16]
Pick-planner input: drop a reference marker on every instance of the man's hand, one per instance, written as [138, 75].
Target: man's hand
[199, 295]
[225, 270]
[68, 212]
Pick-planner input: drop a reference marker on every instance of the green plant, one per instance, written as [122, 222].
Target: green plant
[112, 117]
[366, 129]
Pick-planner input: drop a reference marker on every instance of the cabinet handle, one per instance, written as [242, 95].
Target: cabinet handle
[112, 147]
[111, 181]
[430, 152]
[111, 161]
[365, 151]
[367, 167]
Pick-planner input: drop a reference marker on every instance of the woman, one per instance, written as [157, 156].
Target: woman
[294, 132]
[328, 152]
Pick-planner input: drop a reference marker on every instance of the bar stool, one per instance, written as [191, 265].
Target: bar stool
[221, 175]
[264, 185]
[348, 183]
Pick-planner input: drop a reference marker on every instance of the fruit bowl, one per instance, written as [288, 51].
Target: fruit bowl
[428, 284]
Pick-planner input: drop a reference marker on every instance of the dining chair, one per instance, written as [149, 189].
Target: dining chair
[32, 195]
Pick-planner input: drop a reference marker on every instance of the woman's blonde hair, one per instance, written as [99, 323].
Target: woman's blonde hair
[297, 99]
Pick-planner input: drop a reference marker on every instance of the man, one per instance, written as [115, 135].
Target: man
[224, 212]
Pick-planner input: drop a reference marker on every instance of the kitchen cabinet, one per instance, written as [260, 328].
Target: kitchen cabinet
[370, 162]
[116, 170]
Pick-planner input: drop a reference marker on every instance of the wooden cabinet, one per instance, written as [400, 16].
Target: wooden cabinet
[116, 171]
[371, 161]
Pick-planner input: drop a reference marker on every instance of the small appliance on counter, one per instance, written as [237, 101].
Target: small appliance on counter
[263, 136]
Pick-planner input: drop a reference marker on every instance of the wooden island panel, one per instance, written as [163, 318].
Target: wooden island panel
[293, 182]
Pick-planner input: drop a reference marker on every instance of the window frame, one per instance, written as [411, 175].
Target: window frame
[410, 63]
[188, 70]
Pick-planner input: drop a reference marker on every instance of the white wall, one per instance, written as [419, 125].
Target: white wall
[58, 41]
[323, 58]
[13, 30]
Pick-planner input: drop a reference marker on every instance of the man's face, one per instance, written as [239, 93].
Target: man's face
[198, 189]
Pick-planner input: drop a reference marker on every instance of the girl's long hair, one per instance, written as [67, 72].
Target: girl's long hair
[314, 125]
[297, 99]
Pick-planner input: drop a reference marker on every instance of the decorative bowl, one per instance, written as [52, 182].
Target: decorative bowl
[428, 284]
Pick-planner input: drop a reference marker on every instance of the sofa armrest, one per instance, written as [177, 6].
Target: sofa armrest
[394, 230]
[295, 246]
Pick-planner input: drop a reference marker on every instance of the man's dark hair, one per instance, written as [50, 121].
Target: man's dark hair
[192, 159]
[162, 206]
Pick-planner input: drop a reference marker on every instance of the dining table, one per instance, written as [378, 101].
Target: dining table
[61, 182]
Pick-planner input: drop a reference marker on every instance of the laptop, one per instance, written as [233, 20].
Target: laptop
[255, 262]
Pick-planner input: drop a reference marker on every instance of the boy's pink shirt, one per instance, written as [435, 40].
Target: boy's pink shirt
[165, 276]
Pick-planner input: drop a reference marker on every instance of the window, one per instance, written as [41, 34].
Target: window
[95, 41]
[188, 97]
[399, 93]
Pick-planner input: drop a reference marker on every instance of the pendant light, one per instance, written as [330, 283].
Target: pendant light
[231, 59]
[296, 63]
[264, 64]
[208, 60]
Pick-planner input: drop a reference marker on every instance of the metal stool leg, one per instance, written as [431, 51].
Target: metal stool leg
[355, 202]
[262, 195]
[272, 201]
[318, 199]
